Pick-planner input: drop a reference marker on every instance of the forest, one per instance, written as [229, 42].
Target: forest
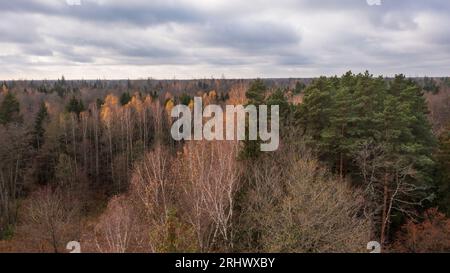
[361, 158]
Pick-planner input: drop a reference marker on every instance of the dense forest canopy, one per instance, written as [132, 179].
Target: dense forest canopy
[93, 161]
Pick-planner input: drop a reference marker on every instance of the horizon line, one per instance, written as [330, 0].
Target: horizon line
[213, 78]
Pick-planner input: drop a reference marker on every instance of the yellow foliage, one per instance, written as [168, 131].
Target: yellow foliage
[108, 108]
[136, 104]
[111, 100]
[169, 106]
[106, 114]
[191, 104]
[213, 95]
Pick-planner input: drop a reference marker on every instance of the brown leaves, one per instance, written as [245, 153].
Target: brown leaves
[431, 235]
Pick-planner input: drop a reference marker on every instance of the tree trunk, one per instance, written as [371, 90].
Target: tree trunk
[385, 216]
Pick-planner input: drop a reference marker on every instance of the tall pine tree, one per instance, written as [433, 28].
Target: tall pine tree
[256, 95]
[10, 109]
[384, 120]
[42, 118]
[443, 174]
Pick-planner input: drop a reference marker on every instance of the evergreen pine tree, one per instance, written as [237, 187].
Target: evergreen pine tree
[299, 86]
[75, 106]
[340, 115]
[10, 109]
[256, 95]
[39, 126]
[443, 174]
[125, 98]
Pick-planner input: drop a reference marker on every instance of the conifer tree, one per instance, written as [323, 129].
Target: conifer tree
[39, 126]
[340, 116]
[10, 109]
[256, 95]
[75, 106]
[125, 98]
[299, 86]
[443, 177]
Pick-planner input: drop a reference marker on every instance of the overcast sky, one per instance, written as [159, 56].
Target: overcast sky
[213, 38]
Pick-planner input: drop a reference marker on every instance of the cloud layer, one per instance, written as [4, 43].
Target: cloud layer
[197, 39]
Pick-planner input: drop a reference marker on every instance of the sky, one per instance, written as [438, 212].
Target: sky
[186, 39]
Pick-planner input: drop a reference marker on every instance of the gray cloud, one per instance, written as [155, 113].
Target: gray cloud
[142, 13]
[194, 38]
[253, 35]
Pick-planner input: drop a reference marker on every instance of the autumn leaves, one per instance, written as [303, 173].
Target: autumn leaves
[213, 128]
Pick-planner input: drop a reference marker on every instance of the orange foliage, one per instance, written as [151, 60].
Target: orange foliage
[136, 104]
[109, 108]
[431, 235]
[237, 95]
[191, 105]
[169, 106]
[212, 95]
